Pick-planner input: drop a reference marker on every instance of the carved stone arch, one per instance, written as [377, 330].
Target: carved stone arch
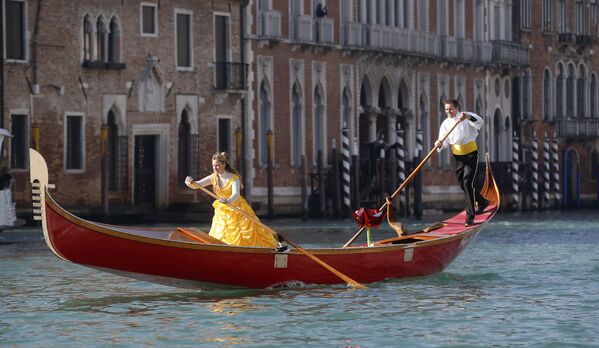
[403, 95]
[479, 109]
[582, 70]
[496, 130]
[265, 118]
[572, 178]
[115, 19]
[119, 119]
[385, 98]
[188, 103]
[366, 92]
[100, 18]
[346, 108]
[118, 105]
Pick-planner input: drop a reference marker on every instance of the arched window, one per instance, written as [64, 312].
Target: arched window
[443, 155]
[559, 92]
[318, 124]
[593, 96]
[546, 98]
[424, 124]
[506, 139]
[264, 123]
[114, 41]
[184, 148]
[581, 92]
[480, 140]
[101, 40]
[497, 135]
[296, 126]
[570, 91]
[594, 166]
[88, 34]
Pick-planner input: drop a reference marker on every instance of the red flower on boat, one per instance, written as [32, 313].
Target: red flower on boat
[368, 217]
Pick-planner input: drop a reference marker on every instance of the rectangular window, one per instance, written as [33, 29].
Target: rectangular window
[593, 18]
[423, 15]
[442, 18]
[579, 18]
[74, 142]
[562, 15]
[149, 19]
[460, 19]
[19, 143]
[221, 51]
[15, 39]
[525, 14]
[547, 10]
[183, 41]
[224, 135]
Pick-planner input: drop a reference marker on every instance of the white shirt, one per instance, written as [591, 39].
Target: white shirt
[464, 132]
[222, 179]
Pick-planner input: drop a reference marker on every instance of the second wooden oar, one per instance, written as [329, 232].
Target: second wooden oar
[407, 181]
[345, 278]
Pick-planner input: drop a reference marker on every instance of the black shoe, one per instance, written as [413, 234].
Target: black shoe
[281, 247]
[482, 206]
[469, 222]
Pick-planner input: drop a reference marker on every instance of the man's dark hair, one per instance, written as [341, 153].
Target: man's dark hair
[453, 102]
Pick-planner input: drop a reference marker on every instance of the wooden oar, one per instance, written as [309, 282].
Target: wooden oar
[345, 278]
[407, 181]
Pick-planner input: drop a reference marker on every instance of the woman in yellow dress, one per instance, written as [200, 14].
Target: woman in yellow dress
[228, 225]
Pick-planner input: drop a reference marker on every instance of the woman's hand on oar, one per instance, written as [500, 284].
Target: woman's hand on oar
[345, 278]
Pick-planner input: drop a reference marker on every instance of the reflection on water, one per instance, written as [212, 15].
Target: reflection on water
[527, 280]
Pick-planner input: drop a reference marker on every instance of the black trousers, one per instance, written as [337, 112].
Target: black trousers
[465, 171]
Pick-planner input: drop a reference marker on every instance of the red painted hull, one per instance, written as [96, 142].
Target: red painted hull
[149, 252]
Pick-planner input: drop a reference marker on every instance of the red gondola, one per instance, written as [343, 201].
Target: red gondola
[171, 256]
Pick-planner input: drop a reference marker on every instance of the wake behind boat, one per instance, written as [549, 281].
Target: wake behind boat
[186, 257]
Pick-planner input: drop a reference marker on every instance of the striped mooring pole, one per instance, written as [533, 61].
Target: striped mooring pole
[515, 171]
[418, 177]
[535, 171]
[345, 170]
[555, 167]
[546, 173]
[401, 168]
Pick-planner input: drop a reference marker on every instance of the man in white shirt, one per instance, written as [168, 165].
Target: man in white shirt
[462, 141]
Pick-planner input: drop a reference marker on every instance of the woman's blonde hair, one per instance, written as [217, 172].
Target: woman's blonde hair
[223, 158]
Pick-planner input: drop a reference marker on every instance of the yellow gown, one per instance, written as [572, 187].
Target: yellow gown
[233, 228]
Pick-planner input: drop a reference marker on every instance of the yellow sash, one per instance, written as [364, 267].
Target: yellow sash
[463, 149]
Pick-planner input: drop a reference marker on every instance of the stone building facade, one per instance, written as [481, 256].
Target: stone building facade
[564, 67]
[353, 96]
[379, 72]
[154, 85]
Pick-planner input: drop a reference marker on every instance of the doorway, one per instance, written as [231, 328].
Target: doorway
[145, 170]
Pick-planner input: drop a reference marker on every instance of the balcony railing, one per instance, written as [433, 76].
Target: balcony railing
[578, 128]
[269, 24]
[323, 30]
[483, 52]
[565, 38]
[352, 34]
[230, 76]
[464, 49]
[448, 47]
[583, 40]
[509, 53]
[418, 43]
[301, 28]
